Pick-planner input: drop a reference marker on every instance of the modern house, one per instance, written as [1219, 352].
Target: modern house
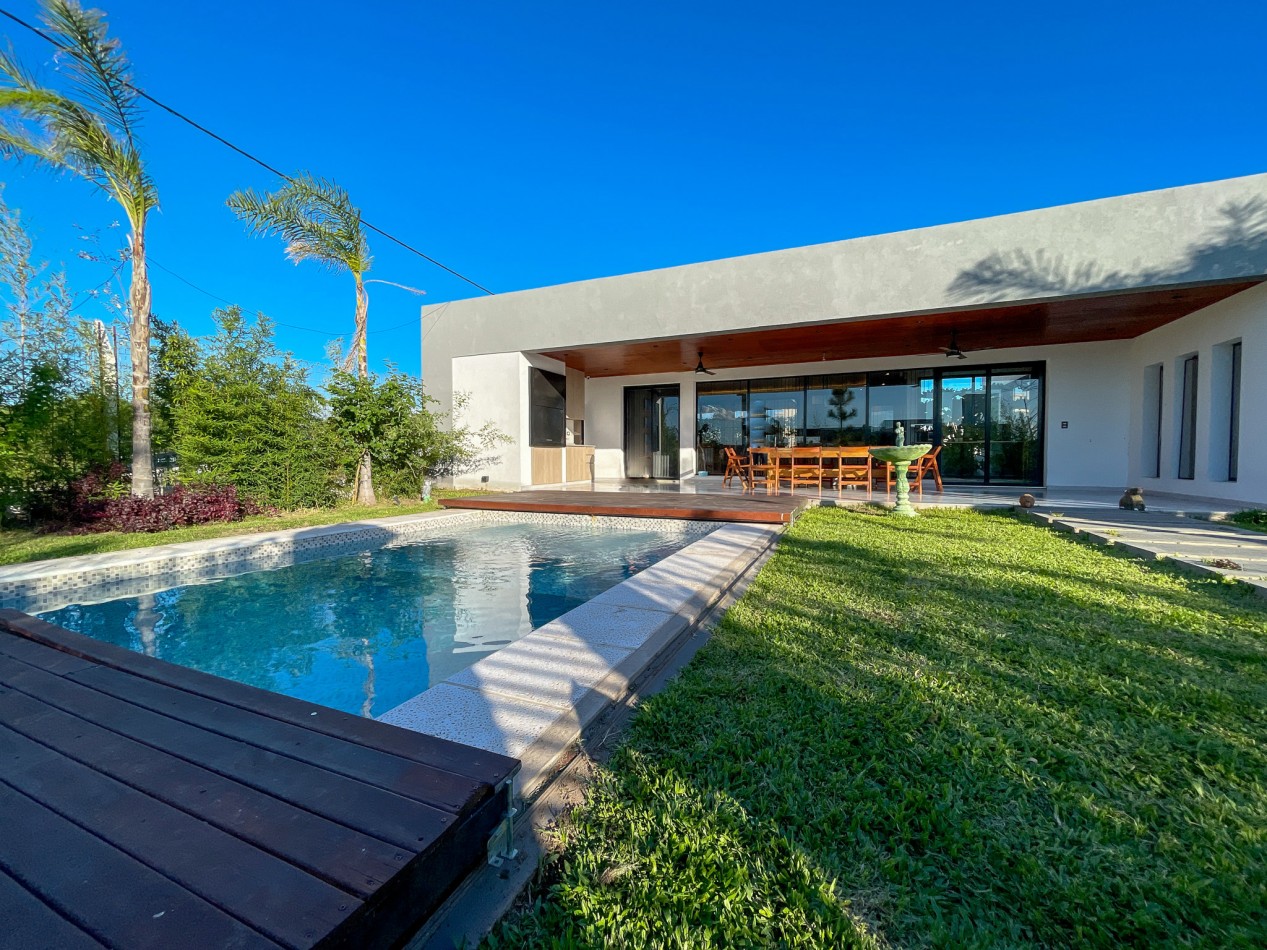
[1100, 344]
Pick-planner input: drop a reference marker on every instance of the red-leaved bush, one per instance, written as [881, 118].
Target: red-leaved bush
[181, 507]
[99, 502]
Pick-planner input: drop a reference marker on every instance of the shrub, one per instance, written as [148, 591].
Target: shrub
[99, 501]
[183, 506]
[1255, 518]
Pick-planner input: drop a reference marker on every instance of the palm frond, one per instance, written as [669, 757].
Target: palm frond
[98, 67]
[313, 216]
[18, 142]
[67, 134]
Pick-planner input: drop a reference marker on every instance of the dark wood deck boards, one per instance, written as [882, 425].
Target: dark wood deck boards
[758, 508]
[148, 805]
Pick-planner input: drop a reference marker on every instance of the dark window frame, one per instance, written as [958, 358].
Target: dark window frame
[1234, 418]
[547, 408]
[1187, 468]
[1038, 369]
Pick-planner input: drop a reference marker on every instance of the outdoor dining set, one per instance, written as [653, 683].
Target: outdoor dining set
[820, 466]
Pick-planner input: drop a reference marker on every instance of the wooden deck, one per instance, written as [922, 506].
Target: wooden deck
[759, 508]
[147, 805]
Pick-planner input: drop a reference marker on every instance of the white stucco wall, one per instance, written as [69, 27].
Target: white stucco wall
[1205, 334]
[496, 385]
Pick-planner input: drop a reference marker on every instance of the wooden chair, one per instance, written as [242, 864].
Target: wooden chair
[736, 464]
[854, 468]
[922, 468]
[763, 465]
[805, 467]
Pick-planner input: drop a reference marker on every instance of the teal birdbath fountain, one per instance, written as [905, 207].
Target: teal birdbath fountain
[901, 455]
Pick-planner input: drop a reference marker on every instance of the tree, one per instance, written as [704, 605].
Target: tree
[92, 133]
[840, 410]
[318, 222]
[55, 417]
[390, 419]
[243, 413]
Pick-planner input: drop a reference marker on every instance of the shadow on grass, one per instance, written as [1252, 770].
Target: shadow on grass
[946, 720]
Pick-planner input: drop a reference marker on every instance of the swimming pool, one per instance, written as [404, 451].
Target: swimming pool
[365, 631]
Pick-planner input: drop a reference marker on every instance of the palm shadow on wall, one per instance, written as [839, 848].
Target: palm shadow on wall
[1235, 248]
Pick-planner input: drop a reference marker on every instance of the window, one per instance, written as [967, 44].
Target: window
[1150, 448]
[1234, 432]
[777, 409]
[836, 409]
[989, 417]
[905, 396]
[1188, 420]
[547, 415]
[721, 415]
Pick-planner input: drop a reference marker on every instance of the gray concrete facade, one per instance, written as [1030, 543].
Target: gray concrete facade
[1173, 237]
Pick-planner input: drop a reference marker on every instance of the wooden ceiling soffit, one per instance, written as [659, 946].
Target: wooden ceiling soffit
[991, 327]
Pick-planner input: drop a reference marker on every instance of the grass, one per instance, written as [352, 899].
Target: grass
[1255, 518]
[18, 546]
[961, 730]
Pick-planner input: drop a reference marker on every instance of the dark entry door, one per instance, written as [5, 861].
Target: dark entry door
[652, 431]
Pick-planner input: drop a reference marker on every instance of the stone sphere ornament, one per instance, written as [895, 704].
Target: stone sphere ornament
[1027, 500]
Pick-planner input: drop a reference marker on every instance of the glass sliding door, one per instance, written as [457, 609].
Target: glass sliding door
[777, 408]
[905, 396]
[652, 432]
[990, 425]
[721, 421]
[963, 414]
[1016, 412]
[988, 419]
[836, 409]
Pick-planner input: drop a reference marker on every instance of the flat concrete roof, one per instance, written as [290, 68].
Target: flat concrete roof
[1191, 236]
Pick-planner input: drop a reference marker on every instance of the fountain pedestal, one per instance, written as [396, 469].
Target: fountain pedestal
[902, 455]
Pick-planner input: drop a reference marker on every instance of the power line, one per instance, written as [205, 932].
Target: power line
[232, 303]
[247, 155]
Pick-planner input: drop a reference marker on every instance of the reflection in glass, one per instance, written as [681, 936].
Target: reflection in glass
[1188, 420]
[721, 421]
[989, 420]
[778, 409]
[652, 432]
[904, 396]
[962, 422]
[835, 409]
[1016, 409]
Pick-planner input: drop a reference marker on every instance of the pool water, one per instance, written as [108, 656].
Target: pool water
[364, 632]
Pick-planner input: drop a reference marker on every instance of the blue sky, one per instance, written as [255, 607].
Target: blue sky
[533, 144]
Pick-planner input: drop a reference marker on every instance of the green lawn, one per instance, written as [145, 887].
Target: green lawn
[1255, 518]
[19, 545]
[961, 730]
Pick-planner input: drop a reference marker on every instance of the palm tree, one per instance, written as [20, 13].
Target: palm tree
[318, 222]
[92, 133]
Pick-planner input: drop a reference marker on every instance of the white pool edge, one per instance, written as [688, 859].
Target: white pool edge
[533, 700]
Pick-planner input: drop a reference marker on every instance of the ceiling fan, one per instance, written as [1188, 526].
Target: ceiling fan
[700, 368]
[953, 352]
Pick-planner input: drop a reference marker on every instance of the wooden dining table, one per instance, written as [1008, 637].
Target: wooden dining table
[781, 455]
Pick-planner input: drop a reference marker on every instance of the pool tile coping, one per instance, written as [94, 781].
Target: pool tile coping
[534, 699]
